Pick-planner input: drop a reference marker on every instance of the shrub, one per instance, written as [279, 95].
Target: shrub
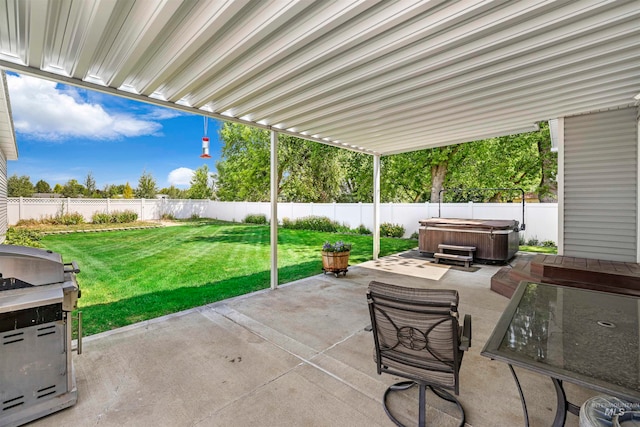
[315, 223]
[533, 242]
[115, 217]
[195, 216]
[256, 219]
[23, 237]
[391, 230]
[101, 218]
[361, 229]
[521, 241]
[548, 244]
[168, 217]
[415, 235]
[73, 218]
[125, 216]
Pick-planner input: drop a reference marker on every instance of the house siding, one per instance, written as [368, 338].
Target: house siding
[601, 185]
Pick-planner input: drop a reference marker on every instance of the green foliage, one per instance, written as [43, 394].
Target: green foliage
[548, 244]
[115, 217]
[23, 237]
[317, 223]
[125, 216]
[415, 235]
[42, 187]
[72, 218]
[90, 186]
[113, 190]
[73, 188]
[175, 193]
[256, 219]
[338, 246]
[168, 217]
[533, 242]
[101, 218]
[388, 229]
[147, 188]
[361, 229]
[19, 186]
[201, 184]
[307, 171]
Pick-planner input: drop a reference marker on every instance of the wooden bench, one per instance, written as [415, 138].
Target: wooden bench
[467, 259]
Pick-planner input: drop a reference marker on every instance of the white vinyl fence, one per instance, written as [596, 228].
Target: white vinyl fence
[541, 219]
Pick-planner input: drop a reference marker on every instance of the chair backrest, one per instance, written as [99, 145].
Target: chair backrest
[416, 333]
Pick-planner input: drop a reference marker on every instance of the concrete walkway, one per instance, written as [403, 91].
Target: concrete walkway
[297, 356]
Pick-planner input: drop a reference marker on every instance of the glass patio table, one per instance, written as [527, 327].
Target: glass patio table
[571, 334]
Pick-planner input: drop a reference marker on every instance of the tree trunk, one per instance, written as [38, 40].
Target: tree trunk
[548, 188]
[438, 174]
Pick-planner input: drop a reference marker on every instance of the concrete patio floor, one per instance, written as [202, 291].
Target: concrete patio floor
[297, 356]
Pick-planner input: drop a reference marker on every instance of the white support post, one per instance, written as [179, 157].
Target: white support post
[376, 206]
[560, 180]
[274, 210]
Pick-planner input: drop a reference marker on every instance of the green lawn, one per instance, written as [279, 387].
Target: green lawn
[129, 276]
[539, 249]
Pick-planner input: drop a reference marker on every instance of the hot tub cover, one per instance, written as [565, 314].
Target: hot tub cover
[484, 224]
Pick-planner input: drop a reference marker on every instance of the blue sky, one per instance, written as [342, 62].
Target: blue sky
[64, 132]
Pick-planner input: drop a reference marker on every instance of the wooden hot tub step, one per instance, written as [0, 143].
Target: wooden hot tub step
[453, 257]
[442, 246]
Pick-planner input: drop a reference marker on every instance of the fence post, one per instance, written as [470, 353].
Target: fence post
[20, 209]
[68, 204]
[471, 209]
[108, 206]
[142, 209]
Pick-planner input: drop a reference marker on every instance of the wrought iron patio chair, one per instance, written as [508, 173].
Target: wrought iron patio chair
[417, 336]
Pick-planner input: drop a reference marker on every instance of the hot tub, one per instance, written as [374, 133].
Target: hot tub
[494, 239]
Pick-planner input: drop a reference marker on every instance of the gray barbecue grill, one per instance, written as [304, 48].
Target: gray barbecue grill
[38, 292]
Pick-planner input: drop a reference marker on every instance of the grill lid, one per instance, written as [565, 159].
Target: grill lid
[32, 265]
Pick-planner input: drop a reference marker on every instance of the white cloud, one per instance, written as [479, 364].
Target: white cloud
[43, 111]
[180, 177]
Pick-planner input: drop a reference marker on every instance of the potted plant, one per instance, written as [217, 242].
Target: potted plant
[335, 257]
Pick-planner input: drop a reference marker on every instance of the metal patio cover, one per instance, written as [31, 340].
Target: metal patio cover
[376, 76]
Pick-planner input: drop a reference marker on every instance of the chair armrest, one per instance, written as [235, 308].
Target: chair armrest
[465, 339]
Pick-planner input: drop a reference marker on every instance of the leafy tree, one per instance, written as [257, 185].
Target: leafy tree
[307, 171]
[89, 185]
[548, 186]
[19, 186]
[201, 184]
[111, 190]
[58, 189]
[147, 187]
[357, 183]
[73, 188]
[243, 174]
[43, 187]
[127, 191]
[512, 161]
[175, 193]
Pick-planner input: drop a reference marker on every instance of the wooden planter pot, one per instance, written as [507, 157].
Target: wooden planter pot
[335, 262]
